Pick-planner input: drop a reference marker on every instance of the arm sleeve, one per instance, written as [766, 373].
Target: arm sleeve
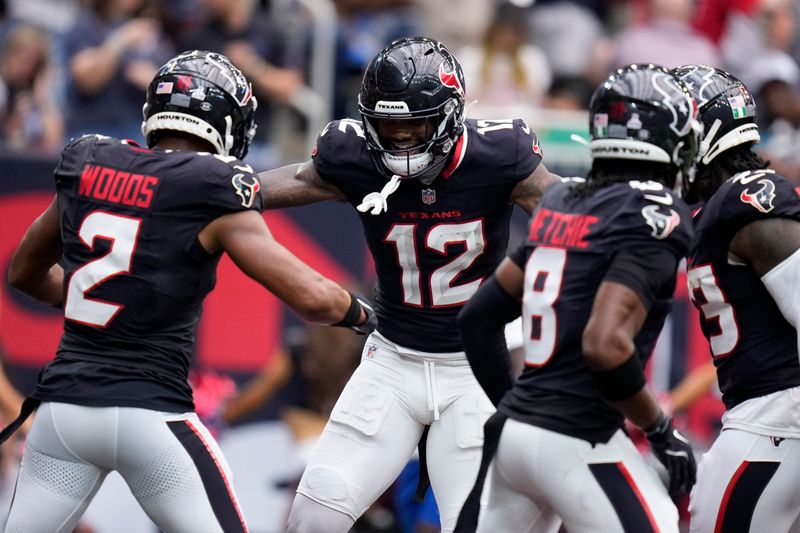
[644, 269]
[783, 283]
[520, 255]
[481, 323]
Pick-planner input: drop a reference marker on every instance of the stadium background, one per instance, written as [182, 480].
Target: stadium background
[535, 60]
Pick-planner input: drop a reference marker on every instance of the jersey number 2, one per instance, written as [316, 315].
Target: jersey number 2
[122, 231]
[443, 293]
[544, 272]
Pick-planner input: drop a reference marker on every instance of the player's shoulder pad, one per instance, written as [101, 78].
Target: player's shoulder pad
[76, 153]
[756, 195]
[340, 145]
[509, 146]
[230, 183]
[660, 213]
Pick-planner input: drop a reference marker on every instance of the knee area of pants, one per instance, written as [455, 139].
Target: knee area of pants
[309, 516]
[327, 485]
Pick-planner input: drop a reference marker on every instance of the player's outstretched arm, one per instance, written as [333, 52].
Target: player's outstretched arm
[248, 241]
[296, 184]
[529, 191]
[34, 269]
[771, 247]
[481, 323]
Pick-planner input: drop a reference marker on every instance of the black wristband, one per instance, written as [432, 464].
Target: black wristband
[657, 427]
[621, 382]
[353, 313]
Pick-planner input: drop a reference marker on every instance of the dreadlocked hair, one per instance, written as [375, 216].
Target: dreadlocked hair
[605, 172]
[740, 158]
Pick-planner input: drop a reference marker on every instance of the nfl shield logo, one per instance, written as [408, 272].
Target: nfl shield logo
[428, 196]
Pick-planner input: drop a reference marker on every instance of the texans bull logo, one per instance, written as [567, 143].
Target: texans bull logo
[450, 79]
[763, 198]
[246, 187]
[661, 225]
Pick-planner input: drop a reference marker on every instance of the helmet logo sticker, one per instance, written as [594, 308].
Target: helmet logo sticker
[601, 125]
[450, 79]
[246, 187]
[738, 106]
[164, 87]
[763, 198]
[183, 82]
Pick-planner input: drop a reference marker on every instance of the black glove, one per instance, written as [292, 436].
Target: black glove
[370, 324]
[675, 453]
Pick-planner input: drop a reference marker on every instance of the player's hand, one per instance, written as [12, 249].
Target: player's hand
[675, 453]
[369, 325]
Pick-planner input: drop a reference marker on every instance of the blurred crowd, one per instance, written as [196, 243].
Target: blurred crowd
[69, 67]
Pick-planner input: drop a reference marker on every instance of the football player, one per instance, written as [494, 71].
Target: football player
[129, 248]
[435, 192]
[744, 277]
[594, 279]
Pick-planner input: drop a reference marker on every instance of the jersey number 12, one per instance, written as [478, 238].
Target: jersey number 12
[443, 292]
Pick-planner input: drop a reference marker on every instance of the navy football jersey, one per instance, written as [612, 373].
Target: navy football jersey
[437, 242]
[135, 274]
[572, 243]
[753, 346]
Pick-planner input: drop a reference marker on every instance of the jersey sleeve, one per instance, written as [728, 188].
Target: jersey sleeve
[757, 195]
[74, 157]
[339, 145]
[657, 216]
[232, 186]
[655, 234]
[529, 152]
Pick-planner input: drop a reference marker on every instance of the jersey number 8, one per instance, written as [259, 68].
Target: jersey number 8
[544, 272]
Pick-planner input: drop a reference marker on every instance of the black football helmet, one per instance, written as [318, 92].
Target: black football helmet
[411, 79]
[205, 95]
[726, 108]
[642, 112]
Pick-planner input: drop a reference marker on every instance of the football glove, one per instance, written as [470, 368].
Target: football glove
[675, 453]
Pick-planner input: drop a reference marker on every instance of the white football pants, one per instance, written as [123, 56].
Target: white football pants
[541, 478]
[747, 482]
[171, 463]
[375, 427]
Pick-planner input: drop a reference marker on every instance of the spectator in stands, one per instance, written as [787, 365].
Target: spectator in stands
[568, 31]
[711, 17]
[665, 39]
[504, 68]
[436, 18]
[29, 117]
[113, 51]
[256, 44]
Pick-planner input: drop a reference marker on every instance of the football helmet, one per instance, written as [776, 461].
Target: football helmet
[726, 108]
[642, 112]
[203, 94]
[418, 80]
